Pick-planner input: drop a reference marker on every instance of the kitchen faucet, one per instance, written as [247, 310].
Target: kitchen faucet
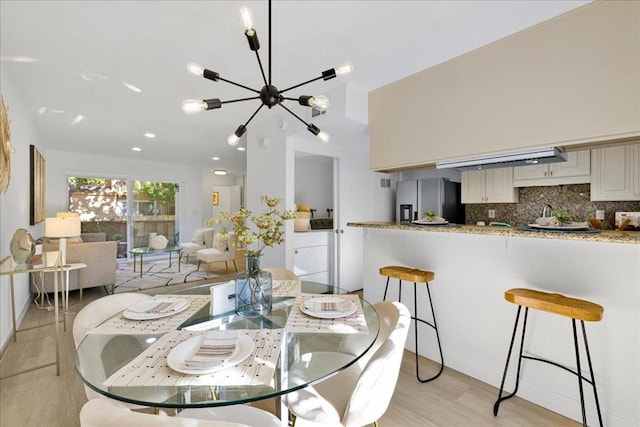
[544, 210]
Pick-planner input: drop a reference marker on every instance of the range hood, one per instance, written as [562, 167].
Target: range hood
[494, 161]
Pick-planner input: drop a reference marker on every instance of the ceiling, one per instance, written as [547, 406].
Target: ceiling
[85, 51]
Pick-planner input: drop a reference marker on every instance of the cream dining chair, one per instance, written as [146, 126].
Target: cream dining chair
[360, 394]
[110, 413]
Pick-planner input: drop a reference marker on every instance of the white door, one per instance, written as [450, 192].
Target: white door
[354, 188]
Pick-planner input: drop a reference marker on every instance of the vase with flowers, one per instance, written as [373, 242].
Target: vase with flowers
[253, 286]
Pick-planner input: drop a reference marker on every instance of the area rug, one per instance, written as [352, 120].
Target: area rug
[158, 273]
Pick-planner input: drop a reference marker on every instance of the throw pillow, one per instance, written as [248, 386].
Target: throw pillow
[198, 236]
[220, 243]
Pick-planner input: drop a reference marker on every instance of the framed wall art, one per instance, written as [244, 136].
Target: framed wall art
[37, 186]
[214, 198]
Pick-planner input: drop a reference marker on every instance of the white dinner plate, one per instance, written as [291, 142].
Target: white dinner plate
[425, 222]
[140, 310]
[328, 314]
[186, 350]
[572, 226]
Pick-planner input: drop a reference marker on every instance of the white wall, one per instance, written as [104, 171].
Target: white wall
[314, 183]
[14, 204]
[475, 322]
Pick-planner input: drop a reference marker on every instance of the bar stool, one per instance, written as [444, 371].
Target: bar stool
[416, 276]
[575, 309]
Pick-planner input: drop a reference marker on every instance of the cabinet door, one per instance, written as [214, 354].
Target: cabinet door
[530, 172]
[499, 186]
[615, 173]
[578, 164]
[310, 260]
[472, 187]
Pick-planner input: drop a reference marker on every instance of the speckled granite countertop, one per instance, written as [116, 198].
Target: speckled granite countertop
[605, 236]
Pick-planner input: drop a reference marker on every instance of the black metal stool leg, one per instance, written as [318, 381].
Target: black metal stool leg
[384, 298]
[579, 371]
[434, 326]
[496, 406]
[593, 378]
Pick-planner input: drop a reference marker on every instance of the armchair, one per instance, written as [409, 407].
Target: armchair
[224, 249]
[202, 238]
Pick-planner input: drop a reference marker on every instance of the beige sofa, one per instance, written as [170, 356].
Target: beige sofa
[98, 254]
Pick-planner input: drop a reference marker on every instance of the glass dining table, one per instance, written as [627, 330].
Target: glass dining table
[291, 351]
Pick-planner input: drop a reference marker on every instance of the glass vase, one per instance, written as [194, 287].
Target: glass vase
[253, 289]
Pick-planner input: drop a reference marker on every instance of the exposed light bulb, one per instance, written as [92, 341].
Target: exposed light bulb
[320, 102]
[233, 139]
[195, 69]
[193, 106]
[245, 16]
[344, 69]
[324, 136]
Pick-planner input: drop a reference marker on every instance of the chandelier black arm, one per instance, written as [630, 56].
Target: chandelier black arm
[294, 114]
[301, 84]
[262, 69]
[253, 115]
[238, 84]
[239, 100]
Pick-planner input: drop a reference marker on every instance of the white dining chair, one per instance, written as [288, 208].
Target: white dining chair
[110, 413]
[94, 314]
[244, 414]
[360, 394]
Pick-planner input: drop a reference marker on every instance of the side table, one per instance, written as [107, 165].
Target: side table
[66, 268]
[50, 262]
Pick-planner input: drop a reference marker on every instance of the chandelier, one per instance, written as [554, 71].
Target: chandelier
[269, 95]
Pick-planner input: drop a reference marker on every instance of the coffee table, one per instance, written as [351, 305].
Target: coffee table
[150, 251]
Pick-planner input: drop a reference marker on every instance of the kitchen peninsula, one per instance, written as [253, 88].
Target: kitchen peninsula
[473, 267]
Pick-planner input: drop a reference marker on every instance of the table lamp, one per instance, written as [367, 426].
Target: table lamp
[65, 224]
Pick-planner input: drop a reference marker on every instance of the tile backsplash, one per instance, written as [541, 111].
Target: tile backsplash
[573, 199]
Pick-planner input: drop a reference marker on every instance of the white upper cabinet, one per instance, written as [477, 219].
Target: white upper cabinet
[489, 186]
[615, 173]
[576, 170]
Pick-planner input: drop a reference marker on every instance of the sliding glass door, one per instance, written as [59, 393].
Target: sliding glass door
[102, 205]
[125, 210]
[153, 211]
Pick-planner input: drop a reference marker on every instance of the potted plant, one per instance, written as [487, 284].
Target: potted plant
[253, 286]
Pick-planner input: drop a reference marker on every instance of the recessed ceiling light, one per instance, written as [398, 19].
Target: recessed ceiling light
[241, 149]
[90, 76]
[17, 59]
[42, 110]
[215, 158]
[220, 172]
[150, 135]
[77, 120]
[131, 87]
[136, 149]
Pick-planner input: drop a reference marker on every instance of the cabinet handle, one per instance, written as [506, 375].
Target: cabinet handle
[550, 173]
[295, 251]
[545, 174]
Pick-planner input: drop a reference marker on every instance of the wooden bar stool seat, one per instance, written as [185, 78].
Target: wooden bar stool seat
[573, 308]
[416, 276]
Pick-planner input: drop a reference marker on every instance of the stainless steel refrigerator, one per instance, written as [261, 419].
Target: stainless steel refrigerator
[440, 195]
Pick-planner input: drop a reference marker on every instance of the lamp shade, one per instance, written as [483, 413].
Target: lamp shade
[62, 227]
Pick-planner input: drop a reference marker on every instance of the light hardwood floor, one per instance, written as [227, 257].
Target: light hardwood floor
[40, 398]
